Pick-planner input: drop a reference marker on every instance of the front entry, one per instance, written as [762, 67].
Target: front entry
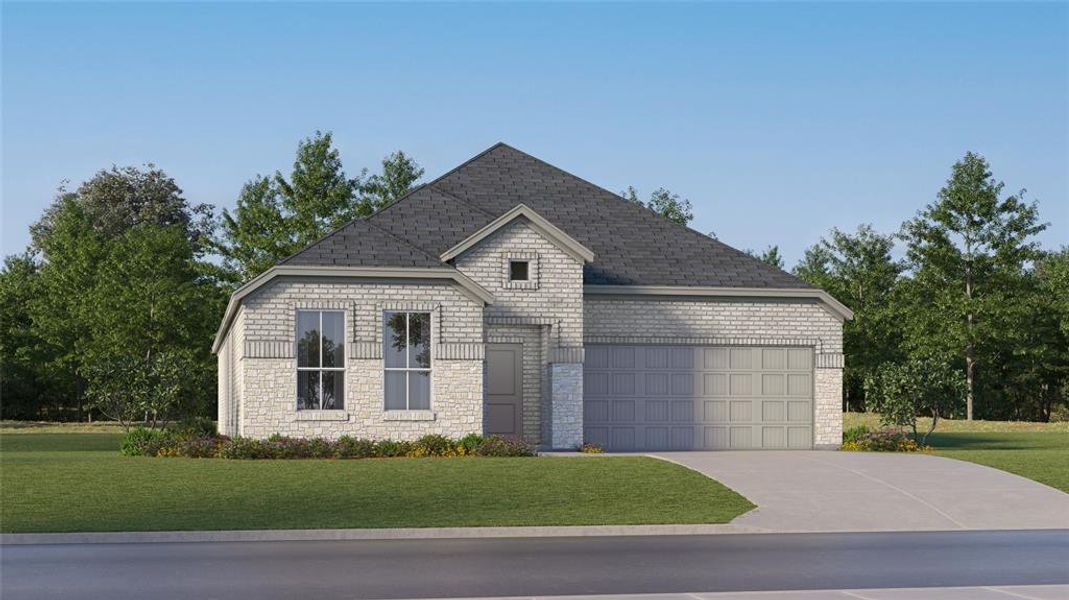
[503, 405]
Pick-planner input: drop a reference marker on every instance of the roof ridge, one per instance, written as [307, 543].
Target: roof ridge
[459, 199]
[402, 240]
[443, 176]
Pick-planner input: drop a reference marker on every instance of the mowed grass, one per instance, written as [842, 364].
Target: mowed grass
[53, 482]
[1038, 451]
[1042, 456]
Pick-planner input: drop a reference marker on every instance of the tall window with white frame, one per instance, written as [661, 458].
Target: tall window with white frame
[406, 352]
[320, 360]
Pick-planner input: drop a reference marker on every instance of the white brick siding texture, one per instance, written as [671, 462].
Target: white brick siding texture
[733, 322]
[559, 296]
[545, 315]
[268, 380]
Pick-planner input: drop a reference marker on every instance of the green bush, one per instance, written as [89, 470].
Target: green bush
[142, 441]
[349, 447]
[195, 427]
[469, 444]
[884, 440]
[433, 445]
[854, 433]
[168, 443]
[244, 448]
[496, 445]
[590, 448]
[392, 448]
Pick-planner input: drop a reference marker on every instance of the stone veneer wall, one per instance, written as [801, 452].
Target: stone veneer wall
[266, 370]
[547, 314]
[742, 322]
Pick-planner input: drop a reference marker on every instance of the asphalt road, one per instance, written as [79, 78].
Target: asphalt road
[546, 566]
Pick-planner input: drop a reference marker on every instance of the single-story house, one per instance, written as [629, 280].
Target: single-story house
[510, 297]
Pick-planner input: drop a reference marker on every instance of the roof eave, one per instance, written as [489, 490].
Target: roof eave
[833, 306]
[467, 286]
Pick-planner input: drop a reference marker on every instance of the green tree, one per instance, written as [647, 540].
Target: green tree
[122, 197]
[277, 216]
[859, 271]
[770, 256]
[966, 252]
[1030, 362]
[149, 310]
[664, 203]
[27, 390]
[93, 279]
[399, 174]
[919, 385]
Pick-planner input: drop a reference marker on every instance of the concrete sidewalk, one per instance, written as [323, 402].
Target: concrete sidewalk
[798, 491]
[1027, 592]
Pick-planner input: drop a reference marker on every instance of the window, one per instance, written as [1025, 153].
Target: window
[519, 270]
[320, 360]
[406, 352]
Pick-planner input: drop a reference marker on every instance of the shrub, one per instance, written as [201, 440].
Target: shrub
[155, 442]
[468, 444]
[195, 427]
[392, 448]
[244, 448]
[318, 448]
[433, 445]
[590, 448]
[884, 440]
[349, 447]
[206, 447]
[142, 441]
[496, 445]
[852, 434]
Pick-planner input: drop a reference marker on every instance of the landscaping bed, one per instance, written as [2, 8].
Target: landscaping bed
[51, 482]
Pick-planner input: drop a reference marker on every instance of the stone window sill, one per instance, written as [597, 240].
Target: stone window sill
[322, 415]
[408, 415]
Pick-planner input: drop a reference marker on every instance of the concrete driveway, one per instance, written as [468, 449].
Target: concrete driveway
[857, 491]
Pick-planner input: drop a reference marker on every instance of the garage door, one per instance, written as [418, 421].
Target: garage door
[698, 398]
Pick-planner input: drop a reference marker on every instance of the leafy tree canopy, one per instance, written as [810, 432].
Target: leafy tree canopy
[277, 216]
[770, 256]
[664, 203]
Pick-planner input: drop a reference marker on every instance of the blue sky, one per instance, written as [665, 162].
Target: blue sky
[778, 121]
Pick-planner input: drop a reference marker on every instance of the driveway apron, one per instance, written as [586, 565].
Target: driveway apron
[856, 491]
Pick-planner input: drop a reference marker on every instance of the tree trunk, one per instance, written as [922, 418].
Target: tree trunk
[968, 340]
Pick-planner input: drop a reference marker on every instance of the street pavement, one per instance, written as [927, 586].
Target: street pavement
[326, 570]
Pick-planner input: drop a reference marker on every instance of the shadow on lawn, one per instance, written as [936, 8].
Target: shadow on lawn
[1016, 440]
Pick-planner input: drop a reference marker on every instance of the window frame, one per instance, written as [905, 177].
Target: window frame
[320, 369]
[429, 369]
[527, 270]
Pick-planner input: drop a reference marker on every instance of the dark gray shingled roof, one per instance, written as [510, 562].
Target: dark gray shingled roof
[359, 243]
[632, 245]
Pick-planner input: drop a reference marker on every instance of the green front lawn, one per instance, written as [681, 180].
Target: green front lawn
[1038, 451]
[1038, 455]
[78, 482]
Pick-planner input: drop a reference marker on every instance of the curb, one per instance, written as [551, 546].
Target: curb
[429, 533]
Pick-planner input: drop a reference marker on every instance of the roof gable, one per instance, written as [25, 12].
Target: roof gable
[548, 230]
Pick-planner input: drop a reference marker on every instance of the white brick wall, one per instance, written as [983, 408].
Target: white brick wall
[545, 315]
[267, 381]
[558, 300]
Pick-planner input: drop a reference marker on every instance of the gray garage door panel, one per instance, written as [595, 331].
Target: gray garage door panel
[695, 398]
